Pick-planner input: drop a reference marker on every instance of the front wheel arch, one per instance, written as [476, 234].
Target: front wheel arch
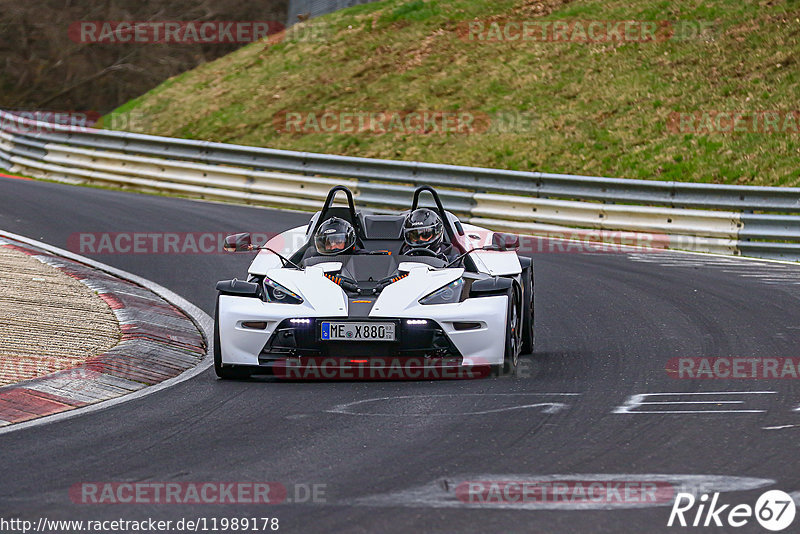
[221, 371]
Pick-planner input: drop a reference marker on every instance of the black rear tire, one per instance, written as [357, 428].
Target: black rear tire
[527, 311]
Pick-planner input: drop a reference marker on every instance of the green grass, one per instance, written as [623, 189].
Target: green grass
[595, 109]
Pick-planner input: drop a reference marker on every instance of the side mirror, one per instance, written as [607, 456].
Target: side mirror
[238, 288]
[238, 243]
[505, 242]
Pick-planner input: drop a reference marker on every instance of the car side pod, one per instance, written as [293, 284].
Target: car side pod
[490, 287]
[238, 288]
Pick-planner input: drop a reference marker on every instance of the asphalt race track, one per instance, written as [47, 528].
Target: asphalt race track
[606, 327]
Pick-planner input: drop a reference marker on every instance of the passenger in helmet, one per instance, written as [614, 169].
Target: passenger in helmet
[423, 229]
[335, 236]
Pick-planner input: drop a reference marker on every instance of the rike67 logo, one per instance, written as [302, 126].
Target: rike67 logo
[774, 510]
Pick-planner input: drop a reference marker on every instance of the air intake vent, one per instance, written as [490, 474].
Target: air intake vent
[466, 325]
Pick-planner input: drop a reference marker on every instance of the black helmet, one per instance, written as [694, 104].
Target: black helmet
[423, 228]
[334, 236]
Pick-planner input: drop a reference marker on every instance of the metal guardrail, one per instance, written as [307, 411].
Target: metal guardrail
[689, 216]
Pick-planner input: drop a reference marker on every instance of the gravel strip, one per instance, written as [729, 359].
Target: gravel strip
[49, 321]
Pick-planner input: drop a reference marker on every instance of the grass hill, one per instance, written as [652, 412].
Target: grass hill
[608, 107]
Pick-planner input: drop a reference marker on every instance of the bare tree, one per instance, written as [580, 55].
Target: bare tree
[41, 66]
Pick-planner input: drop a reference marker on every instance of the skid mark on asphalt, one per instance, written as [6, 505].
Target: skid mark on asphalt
[560, 492]
[436, 405]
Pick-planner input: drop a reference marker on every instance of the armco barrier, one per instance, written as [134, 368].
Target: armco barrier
[694, 216]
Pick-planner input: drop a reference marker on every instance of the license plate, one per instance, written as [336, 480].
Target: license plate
[357, 331]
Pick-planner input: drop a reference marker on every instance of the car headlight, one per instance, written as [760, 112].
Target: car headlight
[445, 295]
[274, 292]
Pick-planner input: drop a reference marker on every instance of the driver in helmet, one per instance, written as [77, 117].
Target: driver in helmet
[335, 236]
[423, 229]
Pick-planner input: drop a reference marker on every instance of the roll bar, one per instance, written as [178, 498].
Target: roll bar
[329, 203]
[439, 207]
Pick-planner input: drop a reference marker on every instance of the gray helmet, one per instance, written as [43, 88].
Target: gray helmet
[334, 236]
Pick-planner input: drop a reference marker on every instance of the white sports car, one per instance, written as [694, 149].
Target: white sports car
[375, 306]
